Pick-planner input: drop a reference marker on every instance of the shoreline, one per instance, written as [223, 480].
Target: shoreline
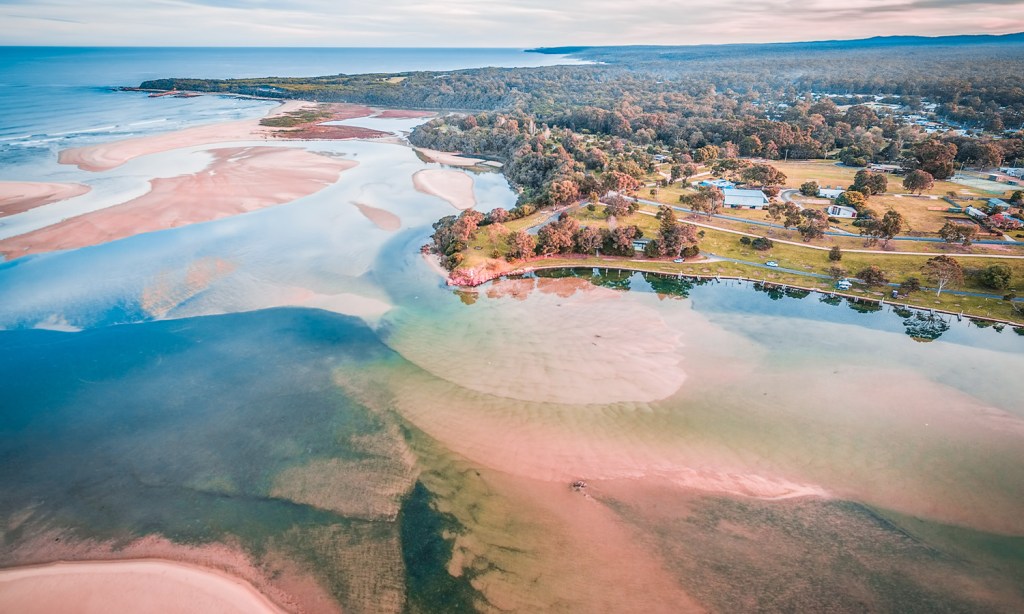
[21, 196]
[140, 585]
[476, 280]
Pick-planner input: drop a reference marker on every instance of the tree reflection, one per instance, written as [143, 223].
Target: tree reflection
[925, 327]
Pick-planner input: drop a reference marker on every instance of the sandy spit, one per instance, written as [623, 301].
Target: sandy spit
[140, 586]
[455, 187]
[20, 196]
[448, 158]
[239, 180]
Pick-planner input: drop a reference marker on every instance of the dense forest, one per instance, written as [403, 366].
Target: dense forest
[564, 131]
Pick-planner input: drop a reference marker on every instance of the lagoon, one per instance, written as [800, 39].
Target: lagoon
[295, 396]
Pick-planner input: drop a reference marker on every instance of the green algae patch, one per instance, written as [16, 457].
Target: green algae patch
[427, 553]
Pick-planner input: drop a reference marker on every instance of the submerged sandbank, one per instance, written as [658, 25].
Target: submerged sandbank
[141, 586]
[239, 180]
[381, 218]
[21, 196]
[455, 187]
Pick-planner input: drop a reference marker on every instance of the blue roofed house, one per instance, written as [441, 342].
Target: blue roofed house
[998, 203]
[744, 199]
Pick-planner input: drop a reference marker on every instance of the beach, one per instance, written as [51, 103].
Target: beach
[140, 586]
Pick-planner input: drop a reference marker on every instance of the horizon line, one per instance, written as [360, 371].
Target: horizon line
[518, 47]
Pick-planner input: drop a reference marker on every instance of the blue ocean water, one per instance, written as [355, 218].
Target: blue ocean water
[60, 97]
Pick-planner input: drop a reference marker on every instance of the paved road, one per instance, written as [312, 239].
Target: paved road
[831, 233]
[825, 249]
[761, 265]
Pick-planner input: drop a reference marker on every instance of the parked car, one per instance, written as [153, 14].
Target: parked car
[678, 260]
[844, 284]
[771, 263]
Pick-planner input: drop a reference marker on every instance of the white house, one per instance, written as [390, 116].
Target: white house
[736, 198]
[977, 214]
[841, 211]
[829, 192]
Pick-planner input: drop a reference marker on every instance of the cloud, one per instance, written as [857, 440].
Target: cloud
[476, 23]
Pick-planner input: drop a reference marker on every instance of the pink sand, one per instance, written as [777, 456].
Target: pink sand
[21, 196]
[240, 179]
[140, 587]
[455, 187]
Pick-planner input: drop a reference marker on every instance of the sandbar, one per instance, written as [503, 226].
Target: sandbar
[403, 114]
[455, 187]
[381, 218]
[449, 158]
[139, 586]
[21, 196]
[239, 180]
[106, 156]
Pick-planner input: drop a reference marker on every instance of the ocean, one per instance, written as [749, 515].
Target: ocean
[60, 97]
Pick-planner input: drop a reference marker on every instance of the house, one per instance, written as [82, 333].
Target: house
[744, 199]
[997, 203]
[830, 192]
[640, 244]
[1007, 222]
[721, 184]
[841, 211]
[976, 213]
[886, 168]
[660, 158]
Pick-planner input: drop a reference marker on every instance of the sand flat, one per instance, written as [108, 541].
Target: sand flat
[239, 180]
[21, 196]
[448, 158]
[140, 586]
[455, 187]
[106, 156]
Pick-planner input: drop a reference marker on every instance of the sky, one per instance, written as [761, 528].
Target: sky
[488, 23]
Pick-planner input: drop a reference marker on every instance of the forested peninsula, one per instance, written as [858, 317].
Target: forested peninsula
[875, 120]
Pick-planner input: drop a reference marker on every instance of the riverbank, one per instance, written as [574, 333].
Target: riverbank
[467, 278]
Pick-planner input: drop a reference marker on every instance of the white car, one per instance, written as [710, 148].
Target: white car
[771, 263]
[678, 260]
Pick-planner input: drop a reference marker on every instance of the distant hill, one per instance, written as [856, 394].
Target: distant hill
[670, 52]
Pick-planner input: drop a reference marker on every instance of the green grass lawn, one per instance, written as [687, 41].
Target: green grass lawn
[797, 257]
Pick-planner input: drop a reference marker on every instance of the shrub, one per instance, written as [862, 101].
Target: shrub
[996, 276]
[762, 244]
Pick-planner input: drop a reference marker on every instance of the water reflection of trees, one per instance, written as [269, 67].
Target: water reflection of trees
[669, 287]
[924, 327]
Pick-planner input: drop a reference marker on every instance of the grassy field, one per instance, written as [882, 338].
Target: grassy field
[796, 257]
